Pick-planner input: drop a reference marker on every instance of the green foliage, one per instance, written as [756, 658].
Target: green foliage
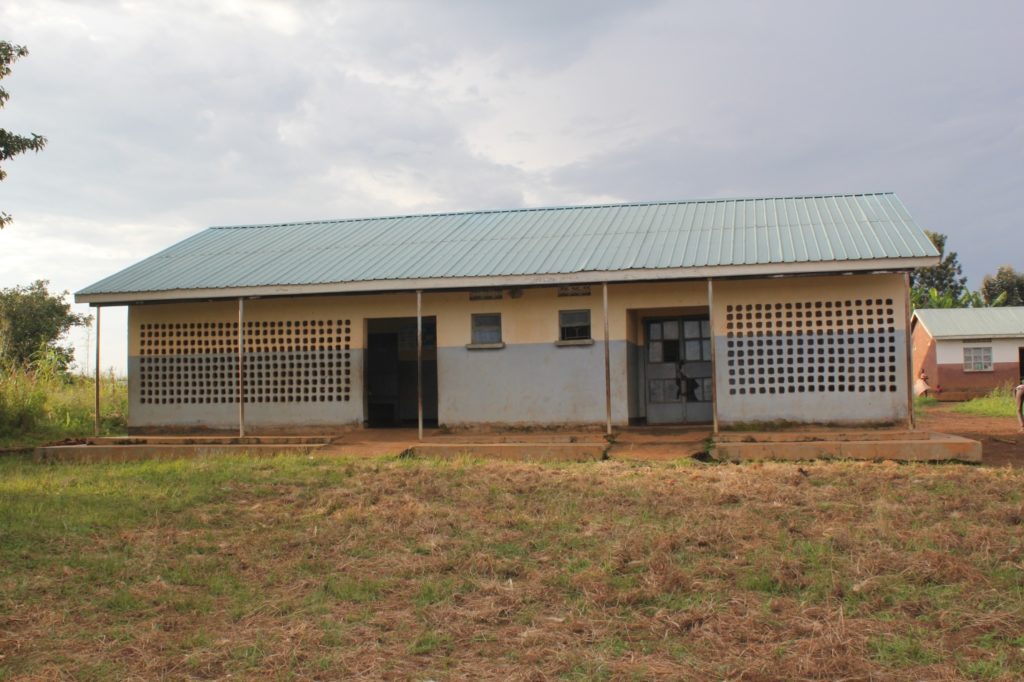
[998, 403]
[944, 286]
[946, 277]
[43, 403]
[12, 144]
[931, 298]
[1007, 285]
[32, 323]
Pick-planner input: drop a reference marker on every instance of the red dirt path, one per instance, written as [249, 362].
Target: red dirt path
[1001, 441]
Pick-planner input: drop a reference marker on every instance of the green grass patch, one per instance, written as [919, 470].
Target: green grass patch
[428, 642]
[301, 567]
[902, 651]
[359, 591]
[998, 403]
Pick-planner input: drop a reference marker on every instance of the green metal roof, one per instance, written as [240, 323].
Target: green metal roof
[644, 240]
[966, 323]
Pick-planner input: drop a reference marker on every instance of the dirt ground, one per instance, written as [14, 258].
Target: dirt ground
[1001, 441]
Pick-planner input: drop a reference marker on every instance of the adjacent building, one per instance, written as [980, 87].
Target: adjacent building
[967, 352]
[726, 311]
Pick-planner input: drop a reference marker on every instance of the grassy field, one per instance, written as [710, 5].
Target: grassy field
[38, 407]
[300, 567]
[998, 403]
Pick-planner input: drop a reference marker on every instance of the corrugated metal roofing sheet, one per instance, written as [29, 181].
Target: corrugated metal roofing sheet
[540, 241]
[960, 323]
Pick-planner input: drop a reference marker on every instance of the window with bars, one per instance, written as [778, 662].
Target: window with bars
[977, 358]
[574, 325]
[486, 328]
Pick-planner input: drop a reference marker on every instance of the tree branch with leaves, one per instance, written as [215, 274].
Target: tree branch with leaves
[12, 144]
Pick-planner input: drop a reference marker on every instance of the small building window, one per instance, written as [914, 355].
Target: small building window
[977, 358]
[486, 328]
[574, 325]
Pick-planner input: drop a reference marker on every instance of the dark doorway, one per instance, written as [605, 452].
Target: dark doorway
[391, 396]
[1020, 365]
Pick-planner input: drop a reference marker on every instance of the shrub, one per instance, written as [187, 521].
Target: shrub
[41, 403]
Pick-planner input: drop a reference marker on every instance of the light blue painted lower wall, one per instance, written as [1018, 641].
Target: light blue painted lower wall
[531, 384]
[858, 378]
[547, 384]
[177, 411]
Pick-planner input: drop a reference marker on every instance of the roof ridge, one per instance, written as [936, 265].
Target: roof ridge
[527, 209]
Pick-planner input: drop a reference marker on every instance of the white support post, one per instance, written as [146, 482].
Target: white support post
[241, 367]
[714, 366]
[607, 366]
[419, 362]
[911, 421]
[96, 426]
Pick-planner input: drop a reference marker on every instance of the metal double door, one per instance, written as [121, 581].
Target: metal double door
[677, 370]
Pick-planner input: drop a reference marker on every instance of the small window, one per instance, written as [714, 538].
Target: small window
[574, 325]
[486, 328]
[978, 358]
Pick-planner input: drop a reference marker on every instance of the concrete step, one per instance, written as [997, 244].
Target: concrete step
[933, 447]
[812, 435]
[139, 452]
[208, 440]
[525, 452]
[656, 452]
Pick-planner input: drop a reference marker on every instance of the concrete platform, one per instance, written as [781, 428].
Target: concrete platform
[660, 443]
[905, 446]
[513, 445]
[636, 443]
[520, 452]
[134, 448]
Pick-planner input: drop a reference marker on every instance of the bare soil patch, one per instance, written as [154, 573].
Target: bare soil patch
[1001, 441]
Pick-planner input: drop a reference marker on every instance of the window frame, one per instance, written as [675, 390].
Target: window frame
[562, 326]
[971, 361]
[477, 343]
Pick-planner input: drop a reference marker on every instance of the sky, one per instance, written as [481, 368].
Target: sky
[166, 117]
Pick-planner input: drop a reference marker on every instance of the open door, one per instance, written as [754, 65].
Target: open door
[677, 370]
[391, 393]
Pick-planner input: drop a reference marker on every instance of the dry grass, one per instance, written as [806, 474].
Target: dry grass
[324, 569]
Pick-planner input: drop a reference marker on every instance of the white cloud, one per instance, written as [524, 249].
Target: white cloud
[164, 118]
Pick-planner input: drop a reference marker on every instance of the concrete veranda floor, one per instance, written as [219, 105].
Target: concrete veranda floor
[642, 443]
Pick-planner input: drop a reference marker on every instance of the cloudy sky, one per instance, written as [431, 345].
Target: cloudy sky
[166, 117]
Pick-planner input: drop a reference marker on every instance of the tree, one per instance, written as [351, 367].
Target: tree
[33, 322]
[946, 277]
[1007, 283]
[12, 144]
[920, 298]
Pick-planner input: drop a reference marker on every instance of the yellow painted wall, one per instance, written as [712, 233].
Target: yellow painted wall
[532, 373]
[885, 286]
[532, 317]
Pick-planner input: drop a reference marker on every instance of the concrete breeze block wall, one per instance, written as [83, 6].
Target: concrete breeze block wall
[811, 349]
[308, 375]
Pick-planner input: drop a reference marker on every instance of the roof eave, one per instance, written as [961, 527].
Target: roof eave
[975, 337]
[443, 283]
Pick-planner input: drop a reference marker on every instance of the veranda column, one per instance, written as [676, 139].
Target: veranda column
[714, 371]
[96, 427]
[241, 367]
[419, 362]
[607, 366]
